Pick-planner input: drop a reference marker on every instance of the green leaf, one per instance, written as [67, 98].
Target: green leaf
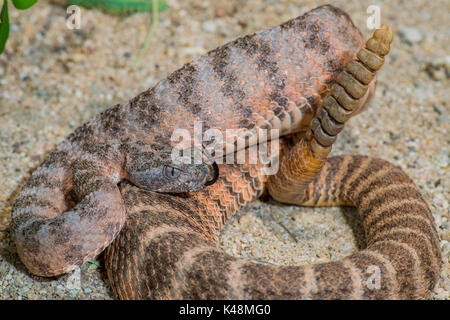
[23, 4]
[4, 26]
[120, 6]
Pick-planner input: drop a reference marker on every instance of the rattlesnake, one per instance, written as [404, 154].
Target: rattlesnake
[71, 208]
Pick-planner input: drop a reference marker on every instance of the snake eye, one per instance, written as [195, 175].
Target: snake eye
[171, 172]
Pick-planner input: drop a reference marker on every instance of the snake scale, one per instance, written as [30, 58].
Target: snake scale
[105, 185]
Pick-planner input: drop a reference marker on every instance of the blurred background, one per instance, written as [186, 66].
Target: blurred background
[53, 78]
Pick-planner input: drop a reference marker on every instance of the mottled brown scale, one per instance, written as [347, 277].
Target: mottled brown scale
[298, 77]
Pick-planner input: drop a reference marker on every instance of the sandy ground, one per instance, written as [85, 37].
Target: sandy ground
[52, 79]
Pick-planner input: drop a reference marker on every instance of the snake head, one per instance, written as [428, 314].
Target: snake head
[162, 174]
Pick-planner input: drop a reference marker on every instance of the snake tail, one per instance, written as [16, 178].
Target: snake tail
[348, 95]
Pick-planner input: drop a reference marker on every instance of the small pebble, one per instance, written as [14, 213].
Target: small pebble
[410, 35]
[438, 68]
[209, 26]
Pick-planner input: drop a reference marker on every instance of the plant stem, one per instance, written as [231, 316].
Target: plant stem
[148, 39]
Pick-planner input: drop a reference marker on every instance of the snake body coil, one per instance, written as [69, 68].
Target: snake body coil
[168, 246]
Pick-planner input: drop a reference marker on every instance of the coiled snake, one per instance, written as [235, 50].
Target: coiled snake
[302, 78]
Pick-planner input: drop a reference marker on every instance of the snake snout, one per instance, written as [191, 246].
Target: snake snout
[214, 166]
[215, 174]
